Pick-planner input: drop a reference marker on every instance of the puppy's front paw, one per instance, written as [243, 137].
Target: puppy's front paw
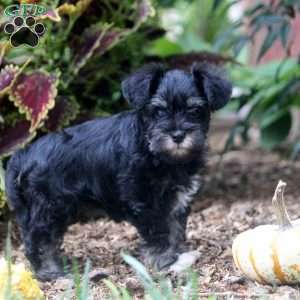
[184, 261]
[161, 260]
[46, 275]
[52, 268]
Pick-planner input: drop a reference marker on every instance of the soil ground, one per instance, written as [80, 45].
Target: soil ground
[236, 196]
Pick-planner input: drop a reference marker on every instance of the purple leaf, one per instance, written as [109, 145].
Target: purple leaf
[64, 111]
[14, 137]
[34, 95]
[100, 38]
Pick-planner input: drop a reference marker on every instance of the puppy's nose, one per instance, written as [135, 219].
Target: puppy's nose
[178, 136]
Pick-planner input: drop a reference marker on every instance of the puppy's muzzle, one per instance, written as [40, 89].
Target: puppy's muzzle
[178, 136]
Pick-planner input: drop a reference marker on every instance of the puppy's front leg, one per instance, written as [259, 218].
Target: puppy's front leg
[163, 237]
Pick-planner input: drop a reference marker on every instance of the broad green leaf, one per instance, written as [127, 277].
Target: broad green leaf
[271, 117]
[225, 37]
[269, 69]
[164, 47]
[269, 40]
[295, 100]
[240, 44]
[284, 34]
[276, 132]
[216, 4]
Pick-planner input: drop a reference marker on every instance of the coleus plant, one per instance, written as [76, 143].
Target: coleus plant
[34, 95]
[39, 86]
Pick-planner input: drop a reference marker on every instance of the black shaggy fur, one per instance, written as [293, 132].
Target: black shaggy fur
[142, 166]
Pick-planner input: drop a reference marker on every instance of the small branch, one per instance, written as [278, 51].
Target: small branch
[279, 206]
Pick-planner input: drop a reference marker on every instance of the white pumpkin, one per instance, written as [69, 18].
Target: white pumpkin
[270, 254]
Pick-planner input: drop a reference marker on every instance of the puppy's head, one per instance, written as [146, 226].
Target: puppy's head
[175, 107]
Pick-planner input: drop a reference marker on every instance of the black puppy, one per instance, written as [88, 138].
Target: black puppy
[142, 166]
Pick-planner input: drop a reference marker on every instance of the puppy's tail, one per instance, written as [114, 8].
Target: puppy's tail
[13, 190]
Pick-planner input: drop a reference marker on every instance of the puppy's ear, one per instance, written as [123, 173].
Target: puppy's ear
[212, 84]
[138, 87]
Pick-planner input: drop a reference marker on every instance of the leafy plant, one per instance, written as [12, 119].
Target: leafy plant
[272, 18]
[267, 100]
[74, 73]
[191, 25]
[268, 93]
[50, 76]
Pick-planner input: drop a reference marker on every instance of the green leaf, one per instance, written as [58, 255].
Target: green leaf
[125, 294]
[275, 131]
[268, 20]
[85, 282]
[268, 42]
[144, 277]
[164, 47]
[226, 36]
[114, 290]
[271, 117]
[290, 2]
[240, 44]
[216, 4]
[166, 289]
[191, 287]
[284, 34]
[138, 267]
[76, 277]
[254, 9]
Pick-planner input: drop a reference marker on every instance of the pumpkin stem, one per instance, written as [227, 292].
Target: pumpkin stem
[279, 205]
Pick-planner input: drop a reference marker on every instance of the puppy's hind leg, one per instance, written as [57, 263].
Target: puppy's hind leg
[42, 234]
[42, 248]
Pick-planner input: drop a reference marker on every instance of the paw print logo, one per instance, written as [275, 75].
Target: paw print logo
[24, 31]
